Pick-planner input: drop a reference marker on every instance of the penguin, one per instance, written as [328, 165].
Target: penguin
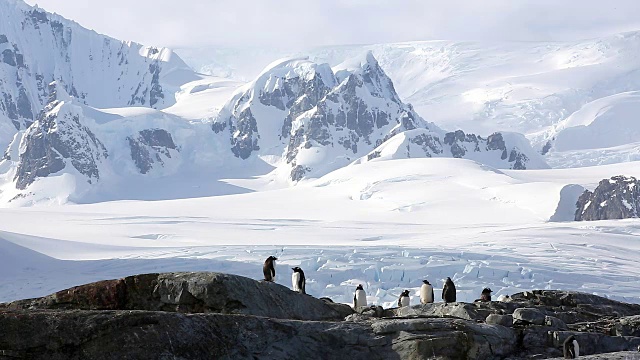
[359, 298]
[449, 291]
[404, 299]
[426, 293]
[571, 348]
[298, 280]
[504, 298]
[486, 295]
[269, 269]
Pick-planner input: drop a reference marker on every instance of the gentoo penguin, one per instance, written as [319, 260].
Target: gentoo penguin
[269, 268]
[571, 348]
[298, 280]
[426, 293]
[449, 291]
[404, 299]
[486, 294]
[359, 298]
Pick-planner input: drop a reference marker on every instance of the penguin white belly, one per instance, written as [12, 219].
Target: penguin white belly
[576, 347]
[426, 294]
[295, 280]
[361, 299]
[405, 301]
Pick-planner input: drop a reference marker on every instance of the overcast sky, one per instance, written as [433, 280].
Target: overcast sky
[296, 23]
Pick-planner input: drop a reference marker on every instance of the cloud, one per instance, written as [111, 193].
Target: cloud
[295, 23]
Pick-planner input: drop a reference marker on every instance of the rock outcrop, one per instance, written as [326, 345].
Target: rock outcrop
[58, 137]
[615, 198]
[149, 147]
[199, 292]
[211, 315]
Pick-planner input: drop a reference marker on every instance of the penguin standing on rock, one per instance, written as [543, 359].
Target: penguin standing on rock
[404, 299]
[298, 280]
[426, 293]
[269, 268]
[359, 298]
[449, 291]
[486, 294]
[571, 348]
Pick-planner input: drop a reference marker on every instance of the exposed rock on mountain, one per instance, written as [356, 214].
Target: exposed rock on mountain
[499, 150]
[57, 138]
[615, 198]
[37, 48]
[149, 147]
[91, 321]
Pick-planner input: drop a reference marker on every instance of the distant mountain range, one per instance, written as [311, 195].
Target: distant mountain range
[92, 118]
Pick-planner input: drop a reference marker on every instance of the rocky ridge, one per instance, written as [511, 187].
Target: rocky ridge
[615, 198]
[204, 315]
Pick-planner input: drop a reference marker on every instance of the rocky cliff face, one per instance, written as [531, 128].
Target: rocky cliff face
[205, 315]
[37, 48]
[615, 198]
[57, 138]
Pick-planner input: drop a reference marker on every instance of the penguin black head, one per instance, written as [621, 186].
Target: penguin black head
[271, 258]
[487, 291]
[426, 282]
[296, 269]
[359, 287]
[405, 293]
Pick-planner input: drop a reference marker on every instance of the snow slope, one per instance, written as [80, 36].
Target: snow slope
[385, 224]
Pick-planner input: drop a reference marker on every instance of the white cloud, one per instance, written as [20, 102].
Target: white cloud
[181, 23]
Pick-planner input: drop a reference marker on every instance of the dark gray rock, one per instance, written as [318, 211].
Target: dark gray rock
[615, 198]
[149, 147]
[555, 323]
[446, 338]
[622, 355]
[136, 317]
[77, 334]
[496, 319]
[528, 316]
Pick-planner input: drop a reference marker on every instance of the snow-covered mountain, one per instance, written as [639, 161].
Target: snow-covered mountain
[539, 89]
[319, 119]
[37, 48]
[298, 118]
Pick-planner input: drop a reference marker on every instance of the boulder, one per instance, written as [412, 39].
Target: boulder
[528, 316]
[468, 311]
[191, 292]
[446, 338]
[496, 319]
